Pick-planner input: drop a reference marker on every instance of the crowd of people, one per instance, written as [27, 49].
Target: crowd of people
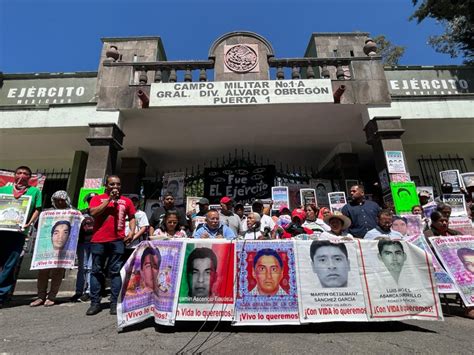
[113, 225]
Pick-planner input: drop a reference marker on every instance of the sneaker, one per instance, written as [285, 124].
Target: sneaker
[93, 309]
[113, 309]
[75, 298]
[85, 297]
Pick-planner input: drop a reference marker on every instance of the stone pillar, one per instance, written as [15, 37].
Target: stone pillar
[106, 141]
[76, 180]
[132, 171]
[384, 134]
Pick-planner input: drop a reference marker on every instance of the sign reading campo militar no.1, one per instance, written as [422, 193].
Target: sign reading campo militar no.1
[241, 92]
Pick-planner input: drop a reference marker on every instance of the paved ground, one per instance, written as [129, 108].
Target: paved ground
[66, 328]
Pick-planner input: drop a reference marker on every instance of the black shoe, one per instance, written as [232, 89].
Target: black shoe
[113, 309]
[93, 309]
[75, 298]
[85, 297]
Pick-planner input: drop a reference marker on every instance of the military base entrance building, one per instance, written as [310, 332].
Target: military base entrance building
[331, 114]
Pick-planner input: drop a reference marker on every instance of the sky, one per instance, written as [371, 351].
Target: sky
[64, 35]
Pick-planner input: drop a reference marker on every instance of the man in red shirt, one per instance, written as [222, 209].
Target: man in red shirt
[110, 211]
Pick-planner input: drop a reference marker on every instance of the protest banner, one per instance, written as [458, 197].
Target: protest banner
[461, 224]
[329, 283]
[280, 197]
[452, 177]
[395, 162]
[337, 200]
[13, 212]
[398, 280]
[456, 253]
[81, 202]
[243, 184]
[457, 203]
[266, 283]
[192, 204]
[468, 179]
[444, 282]
[294, 194]
[8, 178]
[322, 187]
[150, 283]
[207, 282]
[56, 239]
[308, 196]
[404, 196]
[173, 183]
[415, 224]
[428, 190]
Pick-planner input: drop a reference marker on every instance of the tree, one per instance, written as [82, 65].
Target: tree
[456, 16]
[390, 53]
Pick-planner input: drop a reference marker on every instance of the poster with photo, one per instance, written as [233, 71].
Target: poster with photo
[337, 200]
[173, 183]
[14, 212]
[207, 282]
[266, 284]
[461, 224]
[452, 177]
[56, 239]
[468, 179]
[84, 192]
[192, 204]
[151, 205]
[329, 282]
[457, 256]
[395, 162]
[415, 224]
[322, 187]
[150, 283]
[444, 282]
[457, 203]
[280, 197]
[308, 196]
[404, 196]
[399, 282]
[294, 194]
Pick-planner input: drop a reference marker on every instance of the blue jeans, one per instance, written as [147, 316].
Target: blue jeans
[100, 252]
[84, 261]
[11, 246]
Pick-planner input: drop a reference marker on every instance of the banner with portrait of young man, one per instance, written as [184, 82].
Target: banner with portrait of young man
[398, 280]
[444, 282]
[457, 255]
[56, 239]
[266, 283]
[329, 282]
[207, 282]
[150, 283]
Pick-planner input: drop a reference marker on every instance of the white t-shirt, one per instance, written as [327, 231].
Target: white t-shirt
[141, 220]
[265, 222]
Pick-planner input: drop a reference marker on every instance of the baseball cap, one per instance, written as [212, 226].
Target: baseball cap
[225, 200]
[203, 201]
[298, 212]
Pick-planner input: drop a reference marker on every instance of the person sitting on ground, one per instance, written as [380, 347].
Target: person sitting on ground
[213, 228]
[169, 228]
[312, 221]
[339, 225]
[383, 228]
[253, 228]
[440, 226]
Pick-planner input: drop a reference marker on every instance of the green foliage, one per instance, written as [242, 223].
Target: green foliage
[389, 52]
[456, 16]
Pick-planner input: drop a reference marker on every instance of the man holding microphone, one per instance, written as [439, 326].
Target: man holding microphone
[108, 241]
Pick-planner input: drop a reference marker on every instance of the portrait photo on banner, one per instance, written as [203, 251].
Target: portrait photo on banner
[329, 284]
[266, 283]
[457, 255]
[150, 283]
[398, 278]
[207, 282]
[56, 239]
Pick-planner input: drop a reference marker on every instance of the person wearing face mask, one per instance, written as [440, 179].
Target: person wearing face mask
[59, 237]
[12, 242]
